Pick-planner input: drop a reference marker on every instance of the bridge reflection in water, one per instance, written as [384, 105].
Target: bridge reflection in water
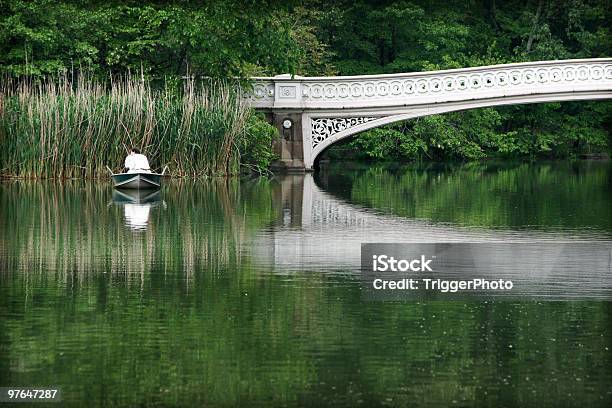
[319, 232]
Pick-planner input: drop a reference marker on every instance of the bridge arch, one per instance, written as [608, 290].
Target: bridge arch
[372, 120]
[313, 113]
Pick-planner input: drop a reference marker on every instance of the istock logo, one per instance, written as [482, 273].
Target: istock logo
[384, 263]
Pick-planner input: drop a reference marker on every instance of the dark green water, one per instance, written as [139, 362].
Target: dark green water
[246, 292]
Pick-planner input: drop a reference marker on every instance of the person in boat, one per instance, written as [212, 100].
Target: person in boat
[136, 162]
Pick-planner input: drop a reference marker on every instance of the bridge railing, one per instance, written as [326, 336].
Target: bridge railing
[368, 91]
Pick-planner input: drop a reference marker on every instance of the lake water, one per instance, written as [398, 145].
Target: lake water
[246, 292]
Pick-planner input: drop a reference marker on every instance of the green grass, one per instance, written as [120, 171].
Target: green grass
[59, 128]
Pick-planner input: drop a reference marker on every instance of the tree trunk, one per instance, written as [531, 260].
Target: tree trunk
[493, 14]
[534, 27]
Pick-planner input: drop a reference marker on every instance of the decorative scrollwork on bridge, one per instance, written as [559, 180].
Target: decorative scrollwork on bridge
[262, 90]
[432, 84]
[323, 128]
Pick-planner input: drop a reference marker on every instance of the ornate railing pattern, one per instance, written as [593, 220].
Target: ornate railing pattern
[262, 92]
[325, 92]
[506, 78]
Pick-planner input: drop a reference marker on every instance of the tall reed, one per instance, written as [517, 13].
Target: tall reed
[63, 128]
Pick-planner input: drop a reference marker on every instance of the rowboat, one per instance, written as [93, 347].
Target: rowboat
[137, 181]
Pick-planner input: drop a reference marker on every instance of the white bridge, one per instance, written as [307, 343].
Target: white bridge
[312, 113]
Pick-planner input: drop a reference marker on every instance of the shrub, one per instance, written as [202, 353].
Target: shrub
[256, 150]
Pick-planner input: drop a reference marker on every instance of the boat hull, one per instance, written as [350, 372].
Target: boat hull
[137, 181]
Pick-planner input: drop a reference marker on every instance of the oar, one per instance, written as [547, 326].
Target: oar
[164, 170]
[109, 169]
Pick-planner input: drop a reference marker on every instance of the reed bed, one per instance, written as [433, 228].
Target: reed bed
[63, 128]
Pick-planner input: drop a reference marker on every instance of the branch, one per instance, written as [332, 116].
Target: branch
[534, 26]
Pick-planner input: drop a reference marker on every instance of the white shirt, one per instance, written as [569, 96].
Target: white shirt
[137, 163]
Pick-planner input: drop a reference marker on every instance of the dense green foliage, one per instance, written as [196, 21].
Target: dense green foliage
[68, 129]
[255, 150]
[373, 37]
[215, 38]
[242, 38]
